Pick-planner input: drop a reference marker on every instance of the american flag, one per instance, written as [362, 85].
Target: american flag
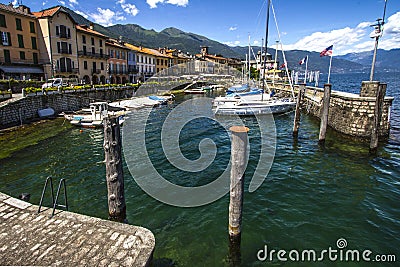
[327, 51]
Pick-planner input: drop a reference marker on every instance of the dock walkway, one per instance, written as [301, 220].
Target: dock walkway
[68, 239]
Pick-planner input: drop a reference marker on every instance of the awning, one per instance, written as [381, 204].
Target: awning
[21, 69]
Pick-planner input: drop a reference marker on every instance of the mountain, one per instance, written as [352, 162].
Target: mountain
[385, 59]
[191, 43]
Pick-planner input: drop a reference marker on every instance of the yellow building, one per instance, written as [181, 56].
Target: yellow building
[19, 53]
[92, 55]
[57, 43]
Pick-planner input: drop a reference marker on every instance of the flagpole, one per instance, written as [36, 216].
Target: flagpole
[329, 72]
[305, 73]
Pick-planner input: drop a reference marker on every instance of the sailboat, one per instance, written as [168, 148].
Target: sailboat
[245, 104]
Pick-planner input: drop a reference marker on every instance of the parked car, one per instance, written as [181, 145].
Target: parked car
[59, 82]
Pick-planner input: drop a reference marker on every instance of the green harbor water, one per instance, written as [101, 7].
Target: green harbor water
[311, 198]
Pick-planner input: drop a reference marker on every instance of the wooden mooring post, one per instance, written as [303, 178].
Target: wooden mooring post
[239, 163]
[380, 97]
[296, 123]
[114, 171]
[325, 113]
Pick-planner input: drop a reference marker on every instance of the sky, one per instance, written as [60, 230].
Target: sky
[303, 25]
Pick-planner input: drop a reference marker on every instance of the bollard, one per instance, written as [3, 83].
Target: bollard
[380, 97]
[239, 162]
[325, 113]
[296, 123]
[114, 172]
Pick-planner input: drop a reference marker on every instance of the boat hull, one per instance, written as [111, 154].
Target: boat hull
[254, 110]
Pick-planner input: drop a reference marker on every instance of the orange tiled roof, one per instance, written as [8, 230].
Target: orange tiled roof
[145, 50]
[86, 29]
[10, 8]
[47, 12]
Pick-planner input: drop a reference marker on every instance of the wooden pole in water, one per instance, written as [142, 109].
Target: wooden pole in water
[239, 161]
[380, 97]
[296, 123]
[114, 172]
[325, 113]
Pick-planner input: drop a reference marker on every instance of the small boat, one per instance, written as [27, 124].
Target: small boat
[243, 107]
[195, 91]
[46, 112]
[93, 117]
[239, 88]
[142, 102]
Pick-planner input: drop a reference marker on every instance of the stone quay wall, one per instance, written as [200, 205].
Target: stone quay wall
[26, 108]
[350, 114]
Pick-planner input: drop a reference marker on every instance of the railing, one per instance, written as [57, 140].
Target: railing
[94, 55]
[121, 72]
[96, 71]
[54, 201]
[66, 70]
[64, 51]
[64, 35]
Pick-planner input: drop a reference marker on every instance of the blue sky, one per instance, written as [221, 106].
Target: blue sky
[306, 25]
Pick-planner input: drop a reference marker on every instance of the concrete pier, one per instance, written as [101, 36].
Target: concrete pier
[68, 239]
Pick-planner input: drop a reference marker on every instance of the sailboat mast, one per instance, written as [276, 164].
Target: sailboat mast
[266, 44]
[249, 62]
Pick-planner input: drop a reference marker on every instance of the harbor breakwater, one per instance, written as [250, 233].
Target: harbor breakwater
[26, 108]
[349, 113]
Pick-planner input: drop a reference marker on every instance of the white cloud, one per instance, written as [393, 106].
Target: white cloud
[73, 2]
[153, 3]
[15, 2]
[106, 17]
[128, 8]
[348, 40]
[233, 28]
[44, 3]
[82, 14]
[256, 42]
[235, 43]
[62, 3]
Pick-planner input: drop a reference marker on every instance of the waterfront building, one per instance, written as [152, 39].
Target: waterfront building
[58, 43]
[19, 51]
[92, 55]
[223, 62]
[117, 61]
[132, 67]
[145, 61]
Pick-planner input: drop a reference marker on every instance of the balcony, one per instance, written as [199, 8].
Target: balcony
[65, 51]
[66, 70]
[92, 55]
[64, 35]
[133, 70]
[118, 72]
[96, 71]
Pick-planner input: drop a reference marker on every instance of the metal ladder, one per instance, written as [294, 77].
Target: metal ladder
[54, 201]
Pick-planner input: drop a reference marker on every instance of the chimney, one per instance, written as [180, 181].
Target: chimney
[91, 26]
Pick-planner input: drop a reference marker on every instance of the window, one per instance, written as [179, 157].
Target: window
[101, 51]
[7, 57]
[93, 51]
[34, 45]
[3, 22]
[83, 39]
[84, 50]
[102, 65]
[101, 43]
[35, 58]
[85, 65]
[18, 23]
[94, 67]
[22, 55]
[32, 26]
[69, 48]
[20, 41]
[6, 38]
[117, 54]
[92, 41]
[63, 31]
